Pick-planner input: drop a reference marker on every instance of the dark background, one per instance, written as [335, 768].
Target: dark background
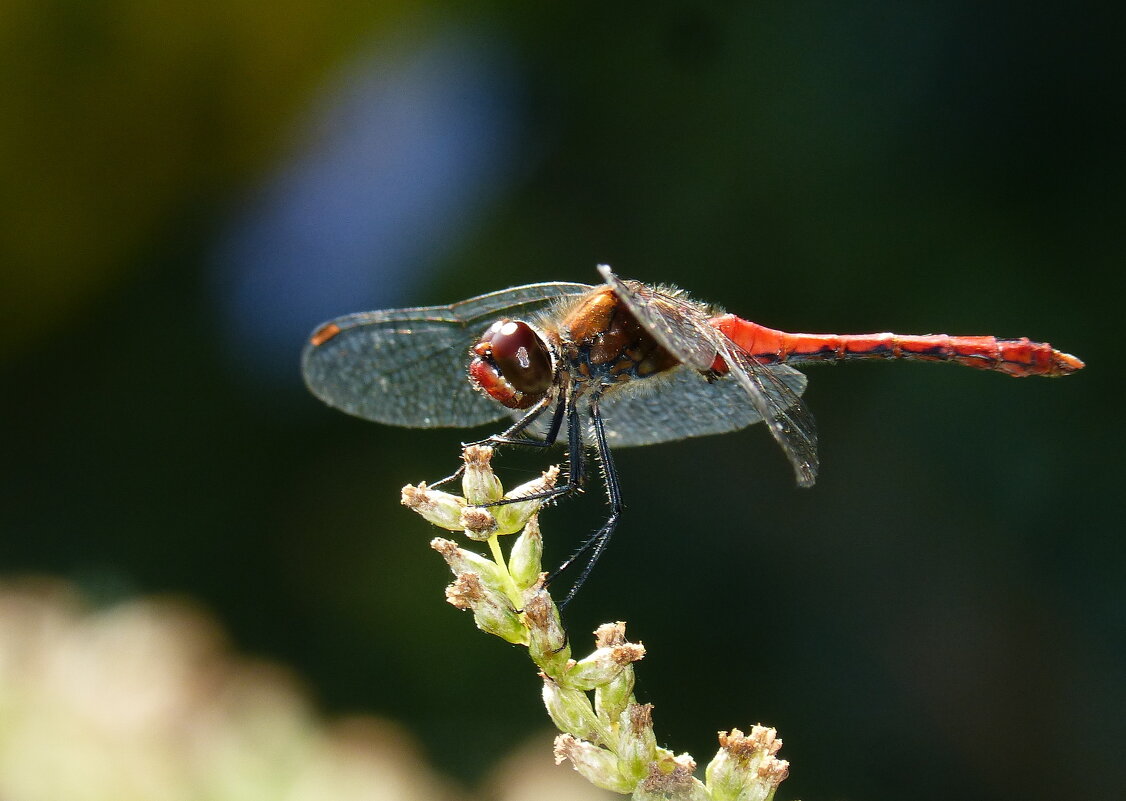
[187, 189]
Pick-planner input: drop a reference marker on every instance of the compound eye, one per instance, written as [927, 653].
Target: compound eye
[520, 356]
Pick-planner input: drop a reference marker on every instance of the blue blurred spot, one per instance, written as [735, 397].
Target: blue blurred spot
[403, 154]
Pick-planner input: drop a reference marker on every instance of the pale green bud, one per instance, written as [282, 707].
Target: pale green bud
[637, 745]
[511, 517]
[602, 666]
[611, 698]
[492, 611]
[596, 765]
[437, 507]
[463, 561]
[478, 483]
[548, 645]
[725, 780]
[570, 710]
[525, 559]
[500, 620]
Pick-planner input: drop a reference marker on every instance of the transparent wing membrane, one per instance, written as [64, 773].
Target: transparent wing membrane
[790, 423]
[406, 367]
[686, 405]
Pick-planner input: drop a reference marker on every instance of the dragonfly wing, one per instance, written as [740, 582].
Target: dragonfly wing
[516, 302]
[790, 423]
[404, 372]
[678, 405]
[407, 367]
[685, 404]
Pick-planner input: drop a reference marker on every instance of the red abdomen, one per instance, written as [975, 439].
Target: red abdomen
[1017, 357]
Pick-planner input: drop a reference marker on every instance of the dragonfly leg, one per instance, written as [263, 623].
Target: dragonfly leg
[449, 478]
[597, 542]
[507, 437]
[576, 458]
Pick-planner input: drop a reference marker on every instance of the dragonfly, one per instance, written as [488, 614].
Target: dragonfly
[599, 367]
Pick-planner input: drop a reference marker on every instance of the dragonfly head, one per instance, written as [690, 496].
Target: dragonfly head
[512, 364]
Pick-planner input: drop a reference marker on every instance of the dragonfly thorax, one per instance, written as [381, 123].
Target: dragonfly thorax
[604, 343]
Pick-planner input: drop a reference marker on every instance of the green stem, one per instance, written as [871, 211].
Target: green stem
[510, 585]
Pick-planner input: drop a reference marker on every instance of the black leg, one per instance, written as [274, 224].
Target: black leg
[576, 456]
[597, 542]
[508, 436]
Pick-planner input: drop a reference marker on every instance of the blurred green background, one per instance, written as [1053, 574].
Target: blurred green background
[187, 188]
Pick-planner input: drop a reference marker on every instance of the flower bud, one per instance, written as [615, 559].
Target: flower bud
[466, 591]
[479, 588]
[478, 524]
[745, 766]
[437, 507]
[525, 558]
[492, 611]
[500, 620]
[603, 666]
[570, 710]
[637, 744]
[596, 765]
[478, 483]
[511, 517]
[463, 561]
[772, 772]
[547, 644]
[611, 698]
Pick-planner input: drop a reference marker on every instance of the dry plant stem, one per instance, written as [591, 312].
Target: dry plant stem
[606, 735]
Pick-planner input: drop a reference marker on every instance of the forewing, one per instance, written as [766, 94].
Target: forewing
[406, 367]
